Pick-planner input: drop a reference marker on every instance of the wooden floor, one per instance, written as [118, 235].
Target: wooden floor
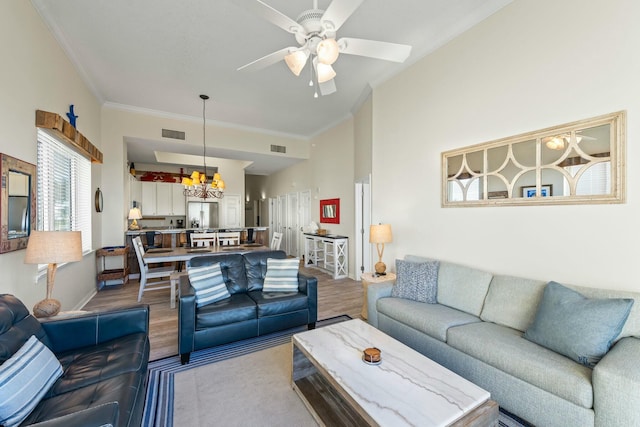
[335, 297]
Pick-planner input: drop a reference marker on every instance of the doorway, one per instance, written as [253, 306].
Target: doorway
[362, 221]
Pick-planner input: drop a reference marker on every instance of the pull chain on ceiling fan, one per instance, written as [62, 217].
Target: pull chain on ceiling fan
[315, 32]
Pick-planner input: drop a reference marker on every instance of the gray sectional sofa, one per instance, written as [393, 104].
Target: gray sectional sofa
[477, 327]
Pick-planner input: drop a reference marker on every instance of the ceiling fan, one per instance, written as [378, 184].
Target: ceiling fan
[315, 32]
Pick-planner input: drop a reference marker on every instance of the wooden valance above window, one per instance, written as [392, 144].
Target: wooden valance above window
[63, 129]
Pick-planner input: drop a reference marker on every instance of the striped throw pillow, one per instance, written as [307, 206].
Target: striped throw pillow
[24, 378]
[282, 275]
[208, 283]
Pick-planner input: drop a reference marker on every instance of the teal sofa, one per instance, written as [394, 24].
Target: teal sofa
[476, 329]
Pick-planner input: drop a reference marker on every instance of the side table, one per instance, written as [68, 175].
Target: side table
[120, 275]
[369, 278]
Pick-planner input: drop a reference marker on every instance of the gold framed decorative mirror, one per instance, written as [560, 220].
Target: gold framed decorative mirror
[581, 162]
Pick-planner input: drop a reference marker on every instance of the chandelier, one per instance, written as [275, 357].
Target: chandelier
[196, 184]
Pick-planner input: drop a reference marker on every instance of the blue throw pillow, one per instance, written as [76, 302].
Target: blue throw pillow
[24, 378]
[282, 275]
[416, 281]
[208, 283]
[578, 327]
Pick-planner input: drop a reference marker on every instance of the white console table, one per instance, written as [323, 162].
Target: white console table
[328, 252]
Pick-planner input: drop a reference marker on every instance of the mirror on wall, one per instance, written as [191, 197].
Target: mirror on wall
[579, 162]
[18, 203]
[330, 211]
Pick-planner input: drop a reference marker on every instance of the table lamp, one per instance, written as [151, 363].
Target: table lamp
[380, 234]
[52, 248]
[135, 215]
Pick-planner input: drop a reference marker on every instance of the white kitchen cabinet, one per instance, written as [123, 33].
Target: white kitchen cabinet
[164, 198]
[148, 206]
[179, 201]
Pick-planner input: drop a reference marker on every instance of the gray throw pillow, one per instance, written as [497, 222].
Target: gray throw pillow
[578, 327]
[416, 281]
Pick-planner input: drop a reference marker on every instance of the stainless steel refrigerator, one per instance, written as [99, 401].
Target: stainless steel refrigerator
[202, 215]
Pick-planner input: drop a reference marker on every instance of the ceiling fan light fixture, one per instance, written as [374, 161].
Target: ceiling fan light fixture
[328, 51]
[555, 143]
[325, 72]
[296, 61]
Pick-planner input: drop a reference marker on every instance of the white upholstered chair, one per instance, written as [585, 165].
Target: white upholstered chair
[148, 275]
[276, 240]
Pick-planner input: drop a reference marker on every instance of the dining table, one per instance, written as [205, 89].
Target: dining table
[182, 253]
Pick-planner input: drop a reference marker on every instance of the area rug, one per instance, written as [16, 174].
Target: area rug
[245, 384]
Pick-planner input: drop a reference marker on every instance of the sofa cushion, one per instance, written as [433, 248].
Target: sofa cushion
[208, 283]
[17, 326]
[237, 308]
[632, 325]
[463, 288]
[93, 364]
[24, 379]
[255, 264]
[505, 349]
[417, 281]
[273, 303]
[126, 389]
[512, 301]
[281, 275]
[232, 266]
[578, 327]
[431, 319]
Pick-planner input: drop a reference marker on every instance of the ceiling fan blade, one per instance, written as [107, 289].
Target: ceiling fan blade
[338, 12]
[272, 15]
[328, 87]
[374, 49]
[267, 60]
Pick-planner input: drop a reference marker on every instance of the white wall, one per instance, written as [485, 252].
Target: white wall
[36, 74]
[534, 64]
[119, 125]
[328, 174]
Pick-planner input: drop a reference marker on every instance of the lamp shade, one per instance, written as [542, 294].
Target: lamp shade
[134, 213]
[380, 233]
[53, 247]
[328, 51]
[296, 61]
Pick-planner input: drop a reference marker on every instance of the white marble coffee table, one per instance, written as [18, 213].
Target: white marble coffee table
[406, 388]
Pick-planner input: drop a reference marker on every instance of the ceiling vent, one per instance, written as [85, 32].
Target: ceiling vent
[173, 134]
[278, 148]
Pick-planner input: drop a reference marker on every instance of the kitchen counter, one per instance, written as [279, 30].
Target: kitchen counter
[167, 230]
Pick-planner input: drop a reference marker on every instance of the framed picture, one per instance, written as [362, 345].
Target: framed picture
[530, 191]
[330, 211]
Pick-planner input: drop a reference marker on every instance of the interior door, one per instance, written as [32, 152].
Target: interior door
[304, 215]
[293, 224]
[282, 222]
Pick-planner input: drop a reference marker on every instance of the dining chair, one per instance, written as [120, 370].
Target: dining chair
[151, 240]
[228, 238]
[276, 240]
[203, 239]
[147, 274]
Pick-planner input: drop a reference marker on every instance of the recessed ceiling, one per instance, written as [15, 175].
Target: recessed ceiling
[161, 54]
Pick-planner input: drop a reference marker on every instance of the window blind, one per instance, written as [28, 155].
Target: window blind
[64, 189]
[595, 180]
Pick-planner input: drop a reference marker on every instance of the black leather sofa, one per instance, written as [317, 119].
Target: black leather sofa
[104, 357]
[249, 312]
